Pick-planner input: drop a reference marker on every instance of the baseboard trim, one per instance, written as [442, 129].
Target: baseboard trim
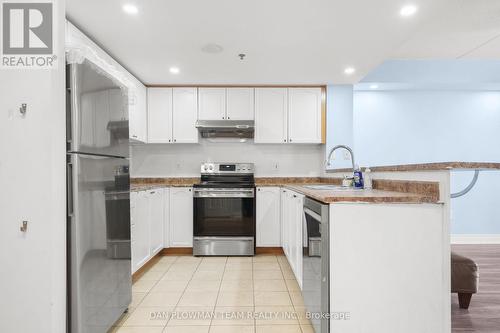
[176, 251]
[150, 263]
[269, 250]
[475, 239]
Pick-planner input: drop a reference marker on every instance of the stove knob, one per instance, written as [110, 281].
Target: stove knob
[211, 167]
[205, 168]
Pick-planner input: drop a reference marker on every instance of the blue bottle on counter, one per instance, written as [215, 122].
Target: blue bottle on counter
[358, 178]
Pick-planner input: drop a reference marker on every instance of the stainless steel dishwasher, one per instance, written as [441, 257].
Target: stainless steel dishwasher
[315, 286]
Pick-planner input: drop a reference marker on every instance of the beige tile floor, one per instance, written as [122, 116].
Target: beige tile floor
[216, 295]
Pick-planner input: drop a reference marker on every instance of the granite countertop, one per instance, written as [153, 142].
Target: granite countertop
[368, 196]
[386, 191]
[431, 167]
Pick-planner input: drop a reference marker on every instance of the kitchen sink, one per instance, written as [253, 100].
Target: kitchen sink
[331, 188]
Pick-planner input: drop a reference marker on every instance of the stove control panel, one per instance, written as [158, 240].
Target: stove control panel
[227, 168]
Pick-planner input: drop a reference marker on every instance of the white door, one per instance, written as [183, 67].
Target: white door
[101, 131]
[141, 230]
[156, 216]
[211, 103]
[185, 112]
[240, 103]
[304, 115]
[166, 217]
[268, 216]
[159, 115]
[133, 232]
[299, 215]
[117, 109]
[271, 115]
[285, 222]
[181, 217]
[137, 110]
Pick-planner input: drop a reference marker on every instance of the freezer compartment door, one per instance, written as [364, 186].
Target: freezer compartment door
[97, 112]
[99, 274]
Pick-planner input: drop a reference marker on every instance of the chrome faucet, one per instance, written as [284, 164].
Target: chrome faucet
[350, 152]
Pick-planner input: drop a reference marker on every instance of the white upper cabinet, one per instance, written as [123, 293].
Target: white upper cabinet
[304, 115]
[212, 103]
[138, 114]
[271, 115]
[268, 216]
[160, 115]
[184, 115]
[117, 105]
[240, 103]
[181, 217]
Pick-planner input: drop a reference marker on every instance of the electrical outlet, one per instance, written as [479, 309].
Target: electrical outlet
[346, 155]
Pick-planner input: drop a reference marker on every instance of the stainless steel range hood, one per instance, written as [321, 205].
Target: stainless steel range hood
[226, 128]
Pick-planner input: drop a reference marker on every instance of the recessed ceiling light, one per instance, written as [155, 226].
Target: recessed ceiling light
[174, 70]
[130, 9]
[349, 70]
[373, 86]
[408, 10]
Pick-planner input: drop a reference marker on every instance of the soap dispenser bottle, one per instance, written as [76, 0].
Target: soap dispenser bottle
[358, 178]
[367, 176]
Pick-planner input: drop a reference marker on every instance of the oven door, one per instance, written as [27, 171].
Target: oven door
[227, 212]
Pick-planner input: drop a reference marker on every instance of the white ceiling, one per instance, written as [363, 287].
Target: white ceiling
[286, 41]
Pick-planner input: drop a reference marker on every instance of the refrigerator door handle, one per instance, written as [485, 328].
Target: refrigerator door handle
[69, 189]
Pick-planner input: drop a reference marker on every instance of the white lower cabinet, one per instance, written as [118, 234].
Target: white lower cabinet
[291, 230]
[181, 217]
[147, 221]
[157, 220]
[140, 226]
[268, 217]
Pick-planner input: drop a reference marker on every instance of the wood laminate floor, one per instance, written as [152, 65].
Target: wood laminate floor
[483, 314]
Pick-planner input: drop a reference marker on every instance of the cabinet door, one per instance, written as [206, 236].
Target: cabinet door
[102, 117]
[185, 112]
[240, 103]
[181, 217]
[159, 115]
[299, 215]
[268, 216]
[212, 103]
[141, 230]
[271, 115]
[156, 217]
[166, 219]
[117, 107]
[137, 110]
[285, 223]
[133, 231]
[304, 115]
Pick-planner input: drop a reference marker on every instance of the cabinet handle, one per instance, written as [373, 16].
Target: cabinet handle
[175, 140]
[189, 190]
[284, 140]
[294, 196]
[134, 136]
[223, 117]
[152, 192]
[228, 118]
[290, 140]
[169, 140]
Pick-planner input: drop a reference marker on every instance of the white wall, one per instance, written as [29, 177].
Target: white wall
[183, 160]
[340, 122]
[32, 179]
[416, 126]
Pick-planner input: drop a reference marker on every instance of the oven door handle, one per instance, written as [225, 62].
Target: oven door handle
[224, 193]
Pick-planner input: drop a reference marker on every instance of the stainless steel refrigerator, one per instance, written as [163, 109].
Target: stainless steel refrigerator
[98, 200]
